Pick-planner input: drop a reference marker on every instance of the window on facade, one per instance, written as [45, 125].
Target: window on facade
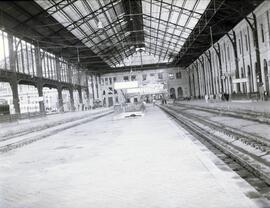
[222, 55]
[133, 77]
[152, 74]
[106, 81]
[254, 42]
[102, 81]
[246, 42]
[171, 76]
[114, 79]
[144, 77]
[178, 75]
[160, 75]
[228, 49]
[268, 24]
[110, 80]
[110, 91]
[262, 31]
[242, 73]
[126, 78]
[240, 47]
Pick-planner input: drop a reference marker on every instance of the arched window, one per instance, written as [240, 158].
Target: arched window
[172, 93]
[242, 72]
[250, 79]
[266, 78]
[180, 92]
[193, 81]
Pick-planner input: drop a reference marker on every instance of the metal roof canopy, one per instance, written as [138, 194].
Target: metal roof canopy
[106, 32]
[222, 16]
[28, 21]
[158, 26]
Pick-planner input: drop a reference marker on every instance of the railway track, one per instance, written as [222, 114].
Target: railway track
[242, 114]
[246, 154]
[23, 139]
[26, 131]
[250, 138]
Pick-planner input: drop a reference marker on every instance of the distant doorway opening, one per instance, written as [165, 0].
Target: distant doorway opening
[180, 92]
[266, 78]
[250, 80]
[172, 93]
[110, 101]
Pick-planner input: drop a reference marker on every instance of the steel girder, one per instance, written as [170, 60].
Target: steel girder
[221, 16]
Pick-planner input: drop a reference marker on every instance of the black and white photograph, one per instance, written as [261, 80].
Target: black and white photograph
[135, 104]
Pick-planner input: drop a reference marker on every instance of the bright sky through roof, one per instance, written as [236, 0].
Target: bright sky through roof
[166, 26]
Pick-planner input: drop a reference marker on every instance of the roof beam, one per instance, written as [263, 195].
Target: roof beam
[134, 18]
[178, 7]
[209, 13]
[152, 18]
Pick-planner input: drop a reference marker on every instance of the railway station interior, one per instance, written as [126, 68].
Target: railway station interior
[135, 104]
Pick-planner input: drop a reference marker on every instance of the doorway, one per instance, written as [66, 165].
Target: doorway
[172, 93]
[180, 92]
[266, 78]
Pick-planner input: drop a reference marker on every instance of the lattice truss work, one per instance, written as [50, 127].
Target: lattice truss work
[116, 30]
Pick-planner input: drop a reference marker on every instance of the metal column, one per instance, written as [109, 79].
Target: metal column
[13, 82]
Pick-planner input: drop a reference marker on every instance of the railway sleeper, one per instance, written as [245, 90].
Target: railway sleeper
[235, 133]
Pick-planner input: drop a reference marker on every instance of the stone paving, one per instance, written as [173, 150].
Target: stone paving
[141, 162]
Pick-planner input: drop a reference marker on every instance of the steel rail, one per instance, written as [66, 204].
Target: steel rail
[214, 135]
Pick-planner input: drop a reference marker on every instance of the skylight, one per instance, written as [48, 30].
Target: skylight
[103, 26]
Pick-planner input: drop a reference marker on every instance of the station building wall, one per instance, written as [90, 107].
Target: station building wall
[235, 72]
[174, 79]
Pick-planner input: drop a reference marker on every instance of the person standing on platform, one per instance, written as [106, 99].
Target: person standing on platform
[143, 106]
[206, 98]
[261, 91]
[154, 102]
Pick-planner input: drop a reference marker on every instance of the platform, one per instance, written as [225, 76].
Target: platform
[43, 122]
[243, 105]
[141, 162]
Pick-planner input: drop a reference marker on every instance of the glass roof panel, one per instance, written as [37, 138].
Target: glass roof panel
[190, 4]
[164, 14]
[179, 3]
[183, 20]
[174, 17]
[191, 24]
[71, 13]
[103, 26]
[155, 11]
[83, 9]
[202, 6]
[94, 5]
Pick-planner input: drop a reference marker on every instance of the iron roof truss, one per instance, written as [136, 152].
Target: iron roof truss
[106, 32]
